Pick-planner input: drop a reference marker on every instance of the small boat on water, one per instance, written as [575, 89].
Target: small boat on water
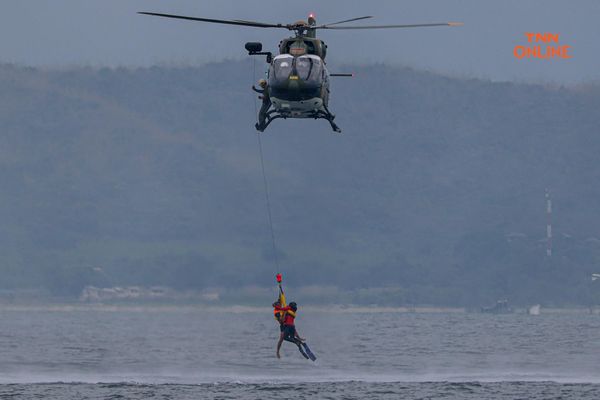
[501, 307]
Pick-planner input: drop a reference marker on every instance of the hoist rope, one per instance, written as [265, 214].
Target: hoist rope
[253, 94]
[262, 164]
[266, 185]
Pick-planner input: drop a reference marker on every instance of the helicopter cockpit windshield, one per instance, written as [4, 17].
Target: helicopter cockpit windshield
[281, 68]
[308, 68]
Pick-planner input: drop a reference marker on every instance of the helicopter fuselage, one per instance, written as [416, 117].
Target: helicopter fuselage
[298, 85]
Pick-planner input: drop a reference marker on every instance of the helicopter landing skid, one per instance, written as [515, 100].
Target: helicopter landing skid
[319, 114]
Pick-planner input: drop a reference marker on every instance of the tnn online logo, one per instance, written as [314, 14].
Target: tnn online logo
[542, 45]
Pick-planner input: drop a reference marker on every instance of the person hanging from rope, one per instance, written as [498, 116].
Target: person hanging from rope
[286, 315]
[279, 304]
[289, 332]
[277, 307]
[266, 104]
[277, 313]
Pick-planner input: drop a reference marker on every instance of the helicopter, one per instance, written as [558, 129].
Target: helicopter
[297, 84]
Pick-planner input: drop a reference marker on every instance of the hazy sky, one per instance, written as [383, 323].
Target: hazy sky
[109, 33]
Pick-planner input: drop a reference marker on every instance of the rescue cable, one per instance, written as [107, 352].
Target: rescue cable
[267, 197]
[262, 164]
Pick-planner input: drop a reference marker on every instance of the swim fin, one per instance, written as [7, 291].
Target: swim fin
[309, 353]
[302, 352]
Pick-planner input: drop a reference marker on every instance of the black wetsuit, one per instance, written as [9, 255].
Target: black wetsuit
[289, 333]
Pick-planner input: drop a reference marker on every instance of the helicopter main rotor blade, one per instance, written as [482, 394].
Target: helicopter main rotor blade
[390, 26]
[217, 21]
[347, 20]
[260, 24]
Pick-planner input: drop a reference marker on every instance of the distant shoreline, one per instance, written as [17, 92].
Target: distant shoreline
[71, 307]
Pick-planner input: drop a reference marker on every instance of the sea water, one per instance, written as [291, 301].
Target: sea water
[104, 352]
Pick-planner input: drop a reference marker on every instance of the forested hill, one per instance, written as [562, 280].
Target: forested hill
[434, 193]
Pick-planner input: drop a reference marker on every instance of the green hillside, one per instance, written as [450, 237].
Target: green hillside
[435, 190]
